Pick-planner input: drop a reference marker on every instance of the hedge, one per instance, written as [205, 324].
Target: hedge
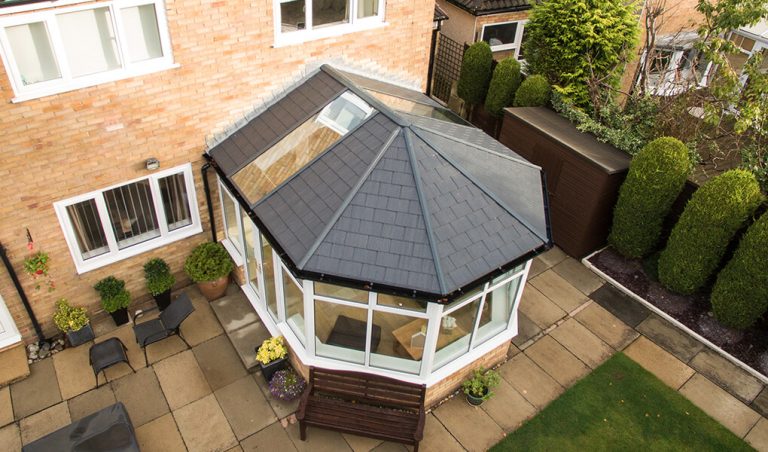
[656, 177]
[740, 295]
[475, 73]
[533, 92]
[504, 83]
[717, 210]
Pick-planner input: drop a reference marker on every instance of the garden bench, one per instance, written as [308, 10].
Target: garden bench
[363, 404]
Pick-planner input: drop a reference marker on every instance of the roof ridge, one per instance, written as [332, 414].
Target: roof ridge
[424, 211]
[481, 186]
[345, 203]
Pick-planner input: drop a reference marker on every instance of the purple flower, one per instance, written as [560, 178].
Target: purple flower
[286, 385]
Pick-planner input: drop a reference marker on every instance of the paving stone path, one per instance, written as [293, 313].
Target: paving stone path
[204, 398]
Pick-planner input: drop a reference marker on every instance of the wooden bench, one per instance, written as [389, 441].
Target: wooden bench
[363, 404]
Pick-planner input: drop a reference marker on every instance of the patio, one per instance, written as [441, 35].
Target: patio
[203, 398]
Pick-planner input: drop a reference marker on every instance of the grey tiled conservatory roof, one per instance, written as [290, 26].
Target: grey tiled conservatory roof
[402, 203]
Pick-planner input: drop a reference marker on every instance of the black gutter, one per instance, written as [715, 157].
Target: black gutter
[485, 12]
[22, 294]
[207, 190]
[9, 3]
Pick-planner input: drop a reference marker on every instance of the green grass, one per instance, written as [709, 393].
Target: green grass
[621, 406]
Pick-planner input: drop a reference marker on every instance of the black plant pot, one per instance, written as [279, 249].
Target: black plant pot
[120, 316]
[476, 401]
[163, 300]
[80, 336]
[268, 370]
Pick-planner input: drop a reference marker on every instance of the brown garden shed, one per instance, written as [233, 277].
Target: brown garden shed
[583, 174]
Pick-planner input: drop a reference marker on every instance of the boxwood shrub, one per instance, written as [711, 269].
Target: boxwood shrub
[504, 83]
[656, 177]
[716, 211]
[475, 73]
[740, 295]
[533, 92]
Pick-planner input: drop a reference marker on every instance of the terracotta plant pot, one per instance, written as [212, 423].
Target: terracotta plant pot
[213, 290]
[163, 300]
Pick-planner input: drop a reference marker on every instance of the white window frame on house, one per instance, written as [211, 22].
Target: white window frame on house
[310, 32]
[114, 254]
[67, 81]
[515, 46]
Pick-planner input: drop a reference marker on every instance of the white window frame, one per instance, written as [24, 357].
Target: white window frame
[67, 82]
[310, 33]
[518, 36]
[236, 249]
[114, 254]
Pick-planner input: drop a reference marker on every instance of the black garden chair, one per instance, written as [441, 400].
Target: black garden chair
[165, 325]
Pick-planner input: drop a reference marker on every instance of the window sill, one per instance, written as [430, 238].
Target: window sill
[299, 37]
[93, 80]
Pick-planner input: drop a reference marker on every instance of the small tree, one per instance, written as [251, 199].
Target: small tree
[656, 177]
[717, 210]
[533, 92]
[475, 73]
[740, 295]
[504, 84]
[581, 47]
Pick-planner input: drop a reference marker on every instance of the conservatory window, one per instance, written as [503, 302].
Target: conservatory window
[341, 292]
[294, 305]
[401, 302]
[456, 328]
[231, 222]
[251, 251]
[341, 331]
[268, 269]
[497, 309]
[403, 338]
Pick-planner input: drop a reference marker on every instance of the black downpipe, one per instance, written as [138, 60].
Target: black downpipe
[430, 69]
[207, 190]
[22, 294]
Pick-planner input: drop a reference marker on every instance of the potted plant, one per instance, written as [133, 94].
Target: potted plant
[478, 388]
[73, 322]
[114, 298]
[159, 280]
[36, 266]
[272, 356]
[209, 266]
[287, 385]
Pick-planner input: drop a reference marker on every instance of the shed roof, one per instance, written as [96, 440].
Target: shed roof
[416, 202]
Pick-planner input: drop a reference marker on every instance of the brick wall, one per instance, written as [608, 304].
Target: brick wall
[72, 143]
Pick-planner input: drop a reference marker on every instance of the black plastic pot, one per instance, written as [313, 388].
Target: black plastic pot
[163, 300]
[120, 316]
[476, 401]
[268, 370]
[80, 336]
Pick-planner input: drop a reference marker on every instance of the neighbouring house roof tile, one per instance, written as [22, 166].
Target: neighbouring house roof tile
[482, 7]
[440, 14]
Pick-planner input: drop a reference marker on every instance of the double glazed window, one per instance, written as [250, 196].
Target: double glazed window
[104, 226]
[57, 50]
[507, 36]
[299, 20]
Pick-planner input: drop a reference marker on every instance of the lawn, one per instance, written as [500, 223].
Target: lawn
[620, 406]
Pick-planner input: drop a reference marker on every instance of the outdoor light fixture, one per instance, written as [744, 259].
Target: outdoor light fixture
[153, 163]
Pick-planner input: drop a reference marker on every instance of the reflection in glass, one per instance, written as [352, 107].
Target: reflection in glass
[292, 15]
[89, 41]
[341, 292]
[340, 331]
[401, 302]
[402, 342]
[367, 8]
[268, 270]
[329, 12]
[142, 34]
[33, 52]
[455, 332]
[294, 306]
[417, 108]
[230, 220]
[496, 310]
[251, 256]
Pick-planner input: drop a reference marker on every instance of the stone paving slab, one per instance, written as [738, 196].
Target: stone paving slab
[318, 440]
[13, 364]
[512, 350]
[91, 402]
[437, 438]
[282, 409]
[160, 435]
[670, 337]
[758, 436]
[526, 329]
[620, 305]
[390, 447]
[537, 267]
[552, 257]
[166, 348]
[246, 339]
[36, 392]
[74, 371]
[659, 362]
[142, 396]
[235, 449]
[471, 426]
[10, 438]
[760, 404]
[361, 443]
[44, 422]
[272, 438]
[726, 374]
[606, 326]
[203, 426]
[6, 408]
[245, 407]
[540, 309]
[560, 291]
[723, 407]
[181, 379]
[202, 324]
[234, 311]
[134, 352]
[530, 381]
[555, 360]
[582, 343]
[579, 276]
[219, 362]
[507, 407]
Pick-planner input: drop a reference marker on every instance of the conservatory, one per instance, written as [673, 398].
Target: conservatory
[377, 231]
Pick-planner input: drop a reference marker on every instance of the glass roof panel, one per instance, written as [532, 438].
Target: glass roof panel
[416, 108]
[294, 151]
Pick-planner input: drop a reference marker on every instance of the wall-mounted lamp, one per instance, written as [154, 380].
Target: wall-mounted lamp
[153, 163]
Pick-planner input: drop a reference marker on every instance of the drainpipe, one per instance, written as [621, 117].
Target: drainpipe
[207, 190]
[22, 294]
[432, 46]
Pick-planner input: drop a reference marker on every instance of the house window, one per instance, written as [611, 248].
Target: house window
[55, 50]
[505, 36]
[118, 222]
[301, 20]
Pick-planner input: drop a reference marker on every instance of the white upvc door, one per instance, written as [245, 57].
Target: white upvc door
[9, 334]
